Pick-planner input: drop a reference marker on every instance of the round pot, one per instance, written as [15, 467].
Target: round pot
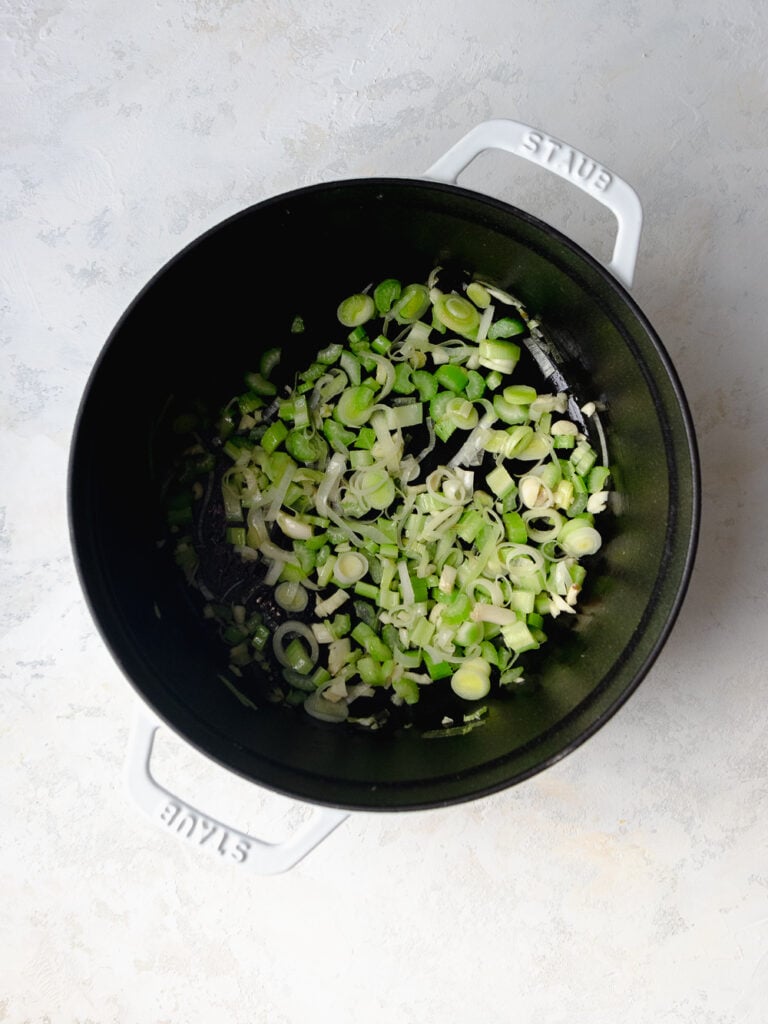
[205, 317]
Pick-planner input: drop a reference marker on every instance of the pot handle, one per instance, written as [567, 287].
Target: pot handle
[180, 818]
[565, 161]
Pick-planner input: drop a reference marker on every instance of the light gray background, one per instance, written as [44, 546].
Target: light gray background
[629, 882]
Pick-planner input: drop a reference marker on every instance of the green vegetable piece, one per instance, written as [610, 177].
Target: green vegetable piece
[366, 613]
[300, 411]
[457, 610]
[562, 441]
[371, 642]
[469, 633]
[470, 524]
[520, 394]
[479, 295]
[444, 429]
[426, 384]
[269, 361]
[580, 497]
[499, 355]
[306, 556]
[583, 458]
[314, 371]
[329, 354]
[273, 436]
[412, 304]
[298, 680]
[378, 488]
[597, 479]
[389, 635]
[366, 438]
[297, 325]
[462, 413]
[381, 344]
[437, 669]
[475, 386]
[249, 402]
[454, 378]
[235, 446]
[358, 339]
[340, 625]
[339, 438]
[306, 445]
[578, 574]
[578, 538]
[522, 601]
[350, 364]
[490, 653]
[260, 637]
[386, 293]
[509, 412]
[356, 310]
[472, 680]
[438, 325]
[514, 528]
[458, 314]
[408, 689]
[518, 637]
[354, 406]
[318, 540]
[500, 482]
[285, 408]
[260, 385]
[371, 672]
[297, 657]
[439, 404]
[403, 384]
[507, 327]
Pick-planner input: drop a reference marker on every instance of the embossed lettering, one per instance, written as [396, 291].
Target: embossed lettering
[570, 163]
[206, 835]
[189, 820]
[241, 851]
[223, 843]
[169, 813]
[532, 141]
[565, 161]
[602, 180]
[585, 168]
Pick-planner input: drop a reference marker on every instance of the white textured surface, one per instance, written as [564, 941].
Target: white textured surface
[630, 881]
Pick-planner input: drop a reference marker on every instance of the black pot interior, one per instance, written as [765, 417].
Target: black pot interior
[204, 320]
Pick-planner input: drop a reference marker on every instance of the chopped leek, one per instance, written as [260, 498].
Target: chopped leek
[385, 294]
[356, 310]
[412, 304]
[457, 313]
[390, 576]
